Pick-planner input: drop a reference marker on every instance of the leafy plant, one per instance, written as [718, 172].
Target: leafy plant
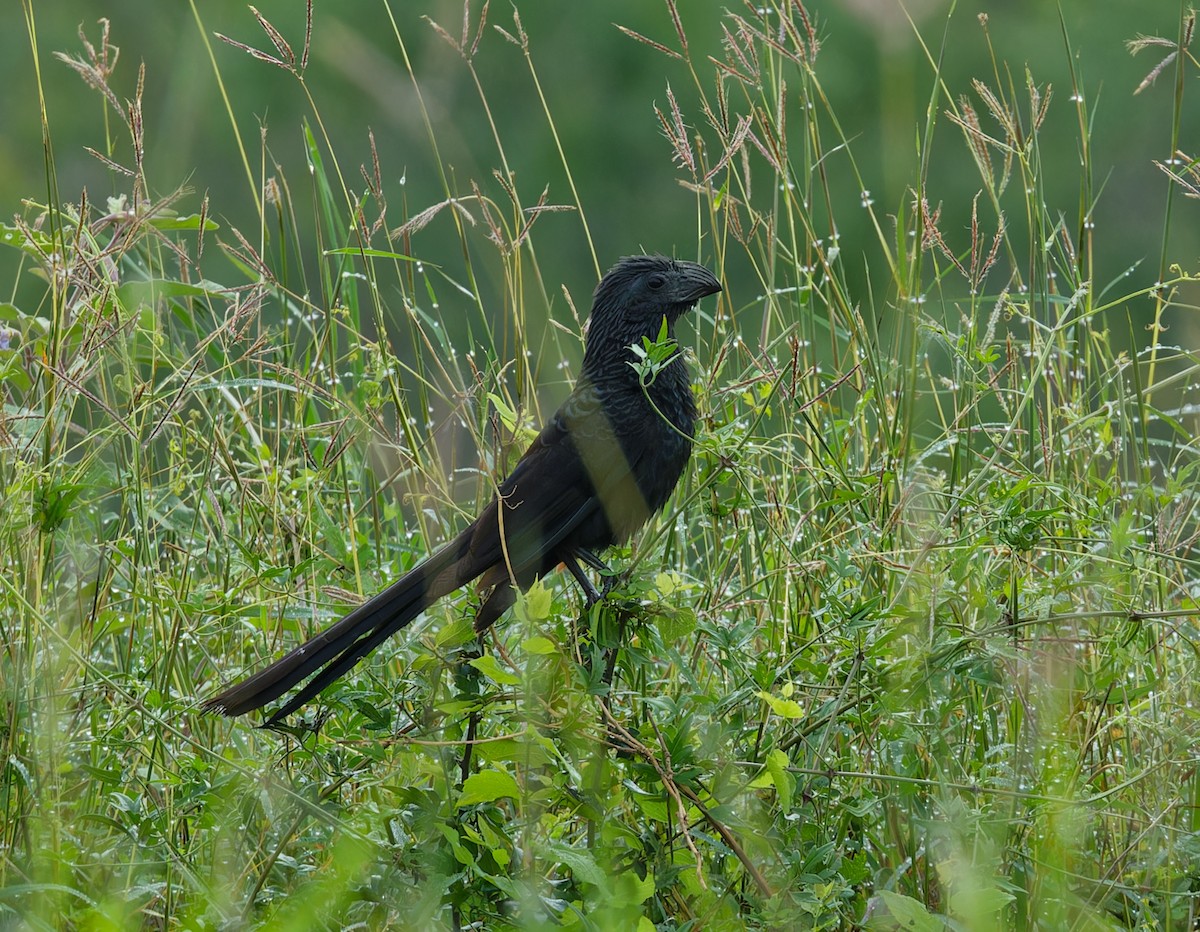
[913, 647]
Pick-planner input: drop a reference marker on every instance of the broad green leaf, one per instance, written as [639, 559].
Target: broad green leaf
[487, 786]
[490, 667]
[667, 583]
[458, 632]
[32, 242]
[785, 708]
[534, 604]
[539, 645]
[675, 624]
[630, 890]
[582, 864]
[907, 913]
[527, 751]
[979, 902]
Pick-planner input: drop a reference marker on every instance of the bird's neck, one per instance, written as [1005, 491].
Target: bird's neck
[607, 354]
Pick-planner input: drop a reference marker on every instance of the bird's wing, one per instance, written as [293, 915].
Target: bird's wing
[574, 484]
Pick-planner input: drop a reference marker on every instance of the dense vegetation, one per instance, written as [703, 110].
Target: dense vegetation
[914, 645]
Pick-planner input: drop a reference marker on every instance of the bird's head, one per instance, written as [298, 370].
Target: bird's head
[634, 297]
[642, 290]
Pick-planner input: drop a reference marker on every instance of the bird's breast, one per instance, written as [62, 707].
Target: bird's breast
[663, 440]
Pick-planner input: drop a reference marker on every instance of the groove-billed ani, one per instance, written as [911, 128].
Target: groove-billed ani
[608, 459]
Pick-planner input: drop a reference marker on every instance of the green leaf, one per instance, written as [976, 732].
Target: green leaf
[507, 415]
[32, 242]
[675, 624]
[655, 809]
[53, 503]
[777, 764]
[528, 751]
[12, 372]
[371, 253]
[668, 583]
[190, 222]
[653, 355]
[785, 708]
[490, 667]
[487, 786]
[455, 634]
[461, 853]
[979, 901]
[907, 913]
[539, 645]
[533, 605]
[631, 890]
[582, 864]
[722, 192]
[133, 295]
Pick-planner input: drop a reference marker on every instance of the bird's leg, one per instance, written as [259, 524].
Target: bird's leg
[464, 765]
[594, 596]
[610, 656]
[607, 577]
[608, 581]
[607, 717]
[466, 672]
[589, 589]
[590, 558]
[591, 594]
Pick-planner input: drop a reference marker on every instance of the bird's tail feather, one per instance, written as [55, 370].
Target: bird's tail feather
[340, 646]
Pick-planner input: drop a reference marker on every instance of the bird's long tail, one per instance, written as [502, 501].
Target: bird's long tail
[340, 646]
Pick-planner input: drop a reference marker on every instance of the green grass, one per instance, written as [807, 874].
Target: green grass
[914, 645]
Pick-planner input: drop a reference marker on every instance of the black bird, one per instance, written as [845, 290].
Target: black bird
[607, 461]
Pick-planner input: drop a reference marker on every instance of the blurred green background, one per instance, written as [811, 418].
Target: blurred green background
[601, 87]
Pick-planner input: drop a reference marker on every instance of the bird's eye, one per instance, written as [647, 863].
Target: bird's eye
[656, 281]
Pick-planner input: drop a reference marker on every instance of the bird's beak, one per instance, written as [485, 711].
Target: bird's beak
[696, 282]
